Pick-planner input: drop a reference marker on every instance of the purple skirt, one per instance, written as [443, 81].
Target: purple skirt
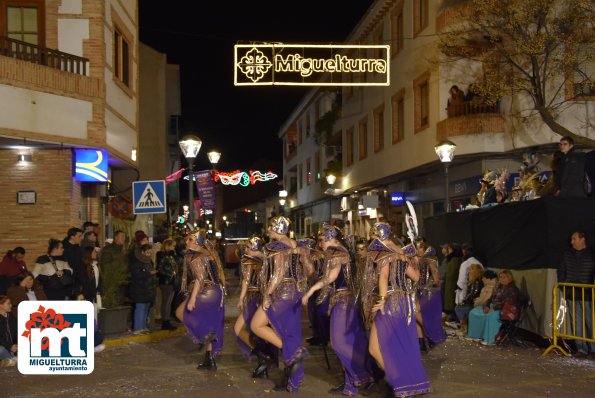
[207, 317]
[248, 313]
[400, 349]
[350, 342]
[430, 304]
[285, 317]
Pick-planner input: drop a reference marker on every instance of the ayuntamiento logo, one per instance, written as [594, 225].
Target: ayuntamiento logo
[56, 337]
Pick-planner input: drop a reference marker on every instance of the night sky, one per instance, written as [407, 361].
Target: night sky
[240, 122]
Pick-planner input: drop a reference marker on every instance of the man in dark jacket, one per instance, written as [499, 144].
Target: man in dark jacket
[578, 266]
[73, 254]
[8, 333]
[590, 172]
[570, 174]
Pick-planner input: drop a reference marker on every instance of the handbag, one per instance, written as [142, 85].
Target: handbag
[509, 312]
[66, 278]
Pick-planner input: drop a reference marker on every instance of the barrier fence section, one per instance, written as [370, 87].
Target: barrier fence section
[573, 314]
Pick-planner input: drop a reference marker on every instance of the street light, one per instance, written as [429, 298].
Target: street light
[446, 152]
[330, 179]
[214, 157]
[190, 146]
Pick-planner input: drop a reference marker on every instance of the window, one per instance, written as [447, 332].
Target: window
[396, 29]
[398, 116]
[349, 147]
[300, 177]
[363, 138]
[583, 76]
[23, 20]
[421, 88]
[121, 56]
[379, 128]
[308, 172]
[420, 16]
[317, 165]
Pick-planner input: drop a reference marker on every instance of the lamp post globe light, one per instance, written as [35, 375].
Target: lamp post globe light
[190, 146]
[214, 157]
[446, 152]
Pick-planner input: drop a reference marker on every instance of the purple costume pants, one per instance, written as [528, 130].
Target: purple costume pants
[430, 304]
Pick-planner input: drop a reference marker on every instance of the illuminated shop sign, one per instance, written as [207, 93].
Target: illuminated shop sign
[397, 198]
[90, 165]
[311, 65]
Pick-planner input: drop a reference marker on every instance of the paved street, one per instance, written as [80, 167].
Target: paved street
[166, 368]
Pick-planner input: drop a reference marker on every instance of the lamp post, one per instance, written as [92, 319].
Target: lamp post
[282, 200]
[214, 157]
[190, 146]
[446, 152]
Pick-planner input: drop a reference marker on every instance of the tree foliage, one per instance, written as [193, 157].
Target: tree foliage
[542, 49]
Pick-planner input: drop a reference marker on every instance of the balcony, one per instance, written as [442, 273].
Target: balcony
[470, 117]
[43, 56]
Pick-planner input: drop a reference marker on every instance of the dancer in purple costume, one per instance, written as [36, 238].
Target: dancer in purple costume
[428, 311]
[318, 313]
[278, 319]
[250, 299]
[203, 313]
[348, 335]
[393, 337]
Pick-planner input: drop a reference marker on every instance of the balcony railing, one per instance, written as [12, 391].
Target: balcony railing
[43, 56]
[456, 109]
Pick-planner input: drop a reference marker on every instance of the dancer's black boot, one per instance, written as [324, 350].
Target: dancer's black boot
[208, 363]
[264, 361]
[283, 385]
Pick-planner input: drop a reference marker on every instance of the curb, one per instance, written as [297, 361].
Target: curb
[143, 338]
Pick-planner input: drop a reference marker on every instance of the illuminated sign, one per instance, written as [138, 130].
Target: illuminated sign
[397, 198]
[243, 178]
[311, 65]
[90, 165]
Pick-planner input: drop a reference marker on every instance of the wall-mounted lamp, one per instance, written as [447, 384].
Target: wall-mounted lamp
[331, 178]
[25, 158]
[283, 194]
[282, 201]
[133, 154]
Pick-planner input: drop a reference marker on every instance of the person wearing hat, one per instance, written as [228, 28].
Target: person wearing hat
[348, 334]
[203, 313]
[278, 319]
[393, 335]
[429, 311]
[250, 299]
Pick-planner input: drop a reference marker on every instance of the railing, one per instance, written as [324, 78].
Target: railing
[577, 302]
[43, 56]
[455, 109]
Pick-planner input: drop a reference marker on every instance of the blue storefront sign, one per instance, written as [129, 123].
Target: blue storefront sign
[91, 165]
[397, 198]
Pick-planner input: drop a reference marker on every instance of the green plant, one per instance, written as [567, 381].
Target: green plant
[114, 276]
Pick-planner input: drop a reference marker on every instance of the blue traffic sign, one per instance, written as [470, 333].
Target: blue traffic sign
[149, 197]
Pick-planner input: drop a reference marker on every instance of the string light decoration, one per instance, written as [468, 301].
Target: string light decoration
[243, 178]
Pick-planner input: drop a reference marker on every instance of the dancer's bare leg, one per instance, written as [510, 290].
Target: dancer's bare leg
[260, 327]
[374, 347]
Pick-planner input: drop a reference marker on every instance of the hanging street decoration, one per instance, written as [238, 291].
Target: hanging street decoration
[311, 65]
[236, 177]
[243, 178]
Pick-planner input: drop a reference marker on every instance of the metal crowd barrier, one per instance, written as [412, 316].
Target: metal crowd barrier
[568, 300]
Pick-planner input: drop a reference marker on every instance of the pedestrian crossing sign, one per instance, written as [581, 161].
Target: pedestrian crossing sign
[149, 197]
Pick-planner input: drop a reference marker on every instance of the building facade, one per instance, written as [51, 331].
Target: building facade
[388, 133]
[68, 80]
